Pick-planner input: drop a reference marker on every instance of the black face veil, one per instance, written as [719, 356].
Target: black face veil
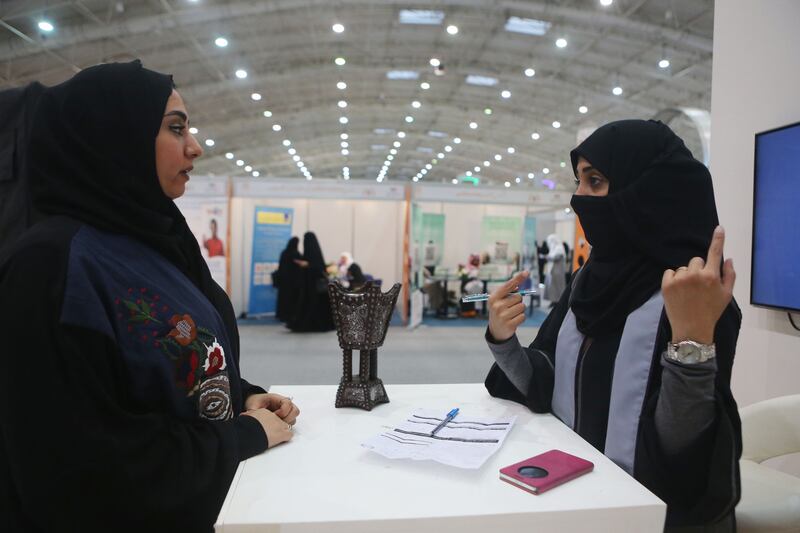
[659, 213]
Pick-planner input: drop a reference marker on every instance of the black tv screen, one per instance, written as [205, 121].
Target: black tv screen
[775, 280]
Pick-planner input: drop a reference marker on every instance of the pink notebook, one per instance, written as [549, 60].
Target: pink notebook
[545, 471]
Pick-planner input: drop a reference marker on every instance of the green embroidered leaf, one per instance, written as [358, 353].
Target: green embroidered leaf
[138, 318]
[146, 308]
[131, 305]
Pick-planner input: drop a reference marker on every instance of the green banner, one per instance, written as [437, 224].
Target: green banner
[501, 238]
[431, 239]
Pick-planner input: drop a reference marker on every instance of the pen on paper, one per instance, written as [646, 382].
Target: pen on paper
[450, 416]
[485, 296]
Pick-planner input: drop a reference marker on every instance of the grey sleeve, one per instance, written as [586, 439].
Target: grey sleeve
[512, 360]
[686, 404]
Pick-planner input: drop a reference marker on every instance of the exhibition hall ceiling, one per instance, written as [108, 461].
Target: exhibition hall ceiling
[462, 91]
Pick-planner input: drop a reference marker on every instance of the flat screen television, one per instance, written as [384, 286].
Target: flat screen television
[775, 279]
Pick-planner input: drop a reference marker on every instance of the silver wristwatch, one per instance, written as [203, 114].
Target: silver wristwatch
[690, 352]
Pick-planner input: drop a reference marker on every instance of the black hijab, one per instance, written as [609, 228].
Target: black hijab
[659, 213]
[313, 253]
[92, 158]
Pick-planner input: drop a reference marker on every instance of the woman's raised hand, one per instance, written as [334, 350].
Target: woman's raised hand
[506, 312]
[696, 295]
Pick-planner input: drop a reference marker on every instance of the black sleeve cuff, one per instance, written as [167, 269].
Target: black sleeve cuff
[251, 437]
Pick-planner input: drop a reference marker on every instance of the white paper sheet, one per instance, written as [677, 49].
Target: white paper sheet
[465, 442]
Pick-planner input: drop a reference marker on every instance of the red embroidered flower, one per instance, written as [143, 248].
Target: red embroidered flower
[184, 330]
[215, 359]
[193, 362]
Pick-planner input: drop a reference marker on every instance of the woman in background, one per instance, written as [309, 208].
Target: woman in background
[288, 281]
[313, 310]
[555, 280]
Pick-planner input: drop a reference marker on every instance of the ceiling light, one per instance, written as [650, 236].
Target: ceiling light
[229, 155]
[397, 144]
[193, 130]
[545, 170]
[606, 3]
[292, 151]
[256, 173]
[440, 155]
[423, 171]
[300, 164]
[241, 73]
[424, 85]
[276, 127]
[448, 148]
[457, 140]
[529, 72]
[209, 142]
[435, 62]
[344, 136]
[527, 26]
[428, 166]
[339, 61]
[341, 86]
[344, 144]
[389, 158]
[345, 151]
[347, 177]
[295, 158]
[239, 163]
[401, 134]
[46, 26]
[556, 124]
[421, 16]
[343, 120]
[416, 104]
[287, 142]
[338, 28]
[498, 157]
[309, 177]
[505, 94]
[484, 81]
[561, 42]
[452, 29]
[563, 164]
[583, 110]
[222, 42]
[454, 181]
[616, 91]
[248, 168]
[342, 104]
[507, 184]
[255, 96]
[664, 63]
[409, 119]
[511, 150]
[487, 111]
[473, 125]
[402, 75]
[437, 134]
[393, 151]
[518, 180]
[267, 114]
[477, 168]
[535, 136]
[415, 178]
[487, 164]
[567, 210]
[530, 175]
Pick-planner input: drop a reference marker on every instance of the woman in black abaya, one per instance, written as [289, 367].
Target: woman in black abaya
[636, 357]
[313, 310]
[289, 281]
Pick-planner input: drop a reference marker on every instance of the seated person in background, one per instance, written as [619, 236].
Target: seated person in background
[355, 277]
[345, 260]
[126, 409]
[637, 354]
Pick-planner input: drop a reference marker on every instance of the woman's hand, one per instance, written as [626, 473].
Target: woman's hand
[696, 295]
[301, 263]
[277, 430]
[280, 405]
[506, 312]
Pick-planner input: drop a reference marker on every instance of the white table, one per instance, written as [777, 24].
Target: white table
[324, 481]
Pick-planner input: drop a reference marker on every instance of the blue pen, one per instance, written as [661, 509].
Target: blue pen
[450, 416]
[485, 296]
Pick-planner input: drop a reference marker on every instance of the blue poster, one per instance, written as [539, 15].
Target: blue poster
[272, 229]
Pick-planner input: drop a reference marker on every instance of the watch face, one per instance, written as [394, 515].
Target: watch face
[688, 353]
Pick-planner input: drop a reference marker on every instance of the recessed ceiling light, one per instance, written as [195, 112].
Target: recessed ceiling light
[435, 62]
[454, 181]
[477, 168]
[546, 170]
[241, 73]
[448, 148]
[345, 151]
[527, 26]
[402, 75]
[530, 175]
[421, 16]
[487, 111]
[46, 26]
[505, 94]
[393, 151]
[193, 130]
[511, 150]
[487, 164]
[616, 91]
[535, 136]
[390, 157]
[222, 42]
[239, 163]
[229, 155]
[473, 125]
[440, 155]
[424, 85]
[276, 127]
[338, 28]
[291, 151]
[507, 184]
[664, 63]
[457, 140]
[248, 168]
[295, 158]
[415, 178]
[396, 144]
[341, 86]
[343, 120]
[340, 61]
[563, 164]
[606, 3]
[483, 81]
[309, 177]
[255, 96]
[428, 166]
[209, 142]
[529, 72]
[344, 136]
[409, 119]
[342, 104]
[556, 124]
[401, 134]
[583, 110]
[344, 144]
[561, 42]
[416, 104]
[452, 29]
[518, 179]
[287, 142]
[468, 173]
[256, 173]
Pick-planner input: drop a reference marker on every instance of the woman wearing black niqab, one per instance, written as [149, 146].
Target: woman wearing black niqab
[121, 346]
[637, 355]
[289, 281]
[313, 310]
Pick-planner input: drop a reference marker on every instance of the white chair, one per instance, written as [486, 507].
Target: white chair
[770, 498]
